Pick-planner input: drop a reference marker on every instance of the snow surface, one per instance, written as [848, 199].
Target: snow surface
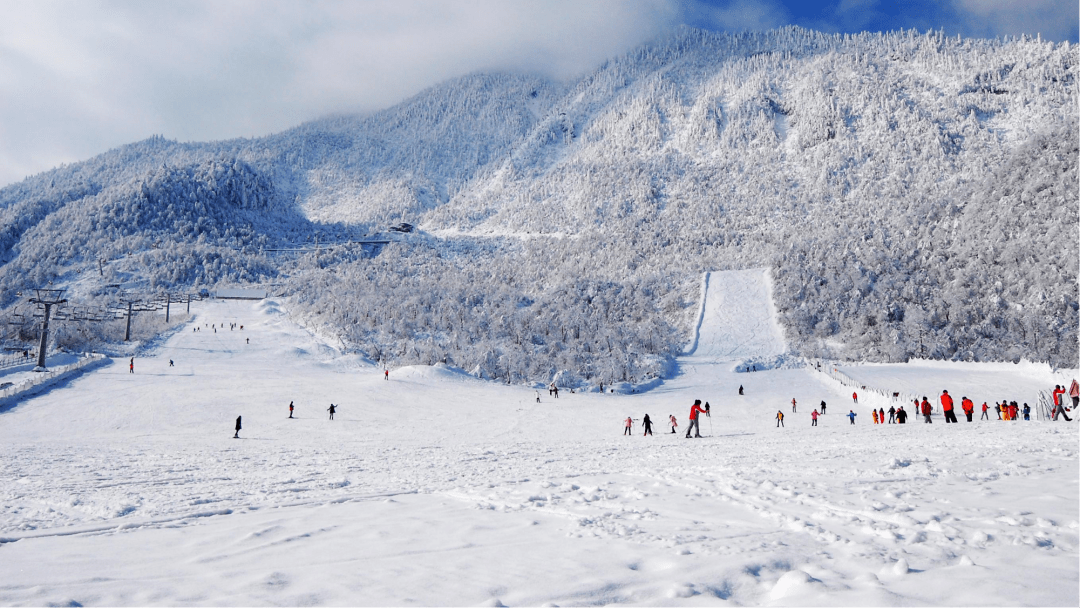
[438, 488]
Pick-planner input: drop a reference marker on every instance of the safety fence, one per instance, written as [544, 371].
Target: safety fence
[41, 379]
[868, 395]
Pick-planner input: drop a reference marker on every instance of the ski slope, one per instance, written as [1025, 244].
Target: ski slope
[435, 488]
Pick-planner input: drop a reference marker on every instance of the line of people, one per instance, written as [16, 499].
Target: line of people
[696, 411]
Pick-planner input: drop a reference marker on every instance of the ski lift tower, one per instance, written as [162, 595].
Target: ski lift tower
[48, 298]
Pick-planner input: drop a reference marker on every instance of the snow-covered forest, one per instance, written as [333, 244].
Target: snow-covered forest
[913, 194]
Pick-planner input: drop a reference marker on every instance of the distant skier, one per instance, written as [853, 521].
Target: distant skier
[985, 415]
[822, 407]
[892, 414]
[851, 414]
[647, 422]
[793, 405]
[386, 374]
[629, 424]
[695, 426]
[813, 418]
[855, 397]
[290, 409]
[674, 422]
[779, 418]
[131, 366]
[556, 392]
[740, 389]
[171, 363]
[236, 435]
[331, 409]
[947, 407]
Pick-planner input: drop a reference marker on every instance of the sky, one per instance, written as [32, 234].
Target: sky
[78, 78]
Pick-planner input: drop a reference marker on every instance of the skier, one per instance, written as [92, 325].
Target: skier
[740, 389]
[331, 409]
[386, 374]
[985, 416]
[695, 426]
[968, 406]
[874, 414]
[236, 435]
[892, 414]
[131, 366]
[647, 423]
[290, 409]
[793, 405]
[674, 422]
[947, 407]
[851, 414]
[171, 363]
[855, 397]
[247, 340]
[556, 392]
[813, 418]
[779, 418]
[629, 423]
[901, 415]
[926, 411]
[822, 407]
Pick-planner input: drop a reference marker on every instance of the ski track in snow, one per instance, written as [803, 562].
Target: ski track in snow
[436, 488]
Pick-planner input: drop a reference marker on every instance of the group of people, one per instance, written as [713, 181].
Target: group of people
[696, 411]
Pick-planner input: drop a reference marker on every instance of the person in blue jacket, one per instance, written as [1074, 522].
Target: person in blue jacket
[851, 414]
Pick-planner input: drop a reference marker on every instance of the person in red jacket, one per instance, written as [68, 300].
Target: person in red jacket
[1059, 392]
[694, 426]
[855, 397]
[985, 416]
[926, 411]
[946, 407]
[968, 406]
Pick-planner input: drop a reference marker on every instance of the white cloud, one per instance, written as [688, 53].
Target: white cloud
[1055, 19]
[77, 78]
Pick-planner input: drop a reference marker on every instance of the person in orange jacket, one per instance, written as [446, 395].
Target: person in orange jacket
[947, 407]
[695, 410]
[874, 414]
[968, 406]
[985, 415]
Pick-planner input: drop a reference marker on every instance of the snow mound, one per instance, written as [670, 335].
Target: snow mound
[795, 582]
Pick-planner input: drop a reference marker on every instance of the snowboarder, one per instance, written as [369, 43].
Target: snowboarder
[331, 409]
[290, 409]
[822, 407]
[236, 435]
[968, 406]
[892, 414]
[740, 389]
[647, 423]
[947, 407]
[674, 422]
[813, 418]
[695, 426]
[855, 397]
[851, 414]
[779, 418]
[793, 405]
[629, 424]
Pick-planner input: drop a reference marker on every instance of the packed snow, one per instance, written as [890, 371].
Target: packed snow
[433, 487]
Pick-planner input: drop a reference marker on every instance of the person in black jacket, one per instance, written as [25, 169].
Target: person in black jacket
[237, 434]
[648, 425]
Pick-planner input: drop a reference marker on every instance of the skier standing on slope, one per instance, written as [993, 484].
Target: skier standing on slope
[674, 422]
[290, 409]
[947, 407]
[740, 389]
[855, 397]
[648, 425]
[695, 410]
[236, 435]
[779, 418]
[851, 414]
[331, 409]
[629, 424]
[386, 374]
[131, 366]
[793, 405]
[822, 407]
[813, 418]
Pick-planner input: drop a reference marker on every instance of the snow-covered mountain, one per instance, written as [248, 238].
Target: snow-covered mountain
[913, 194]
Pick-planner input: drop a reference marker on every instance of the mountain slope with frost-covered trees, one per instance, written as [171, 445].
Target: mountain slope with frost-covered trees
[912, 194]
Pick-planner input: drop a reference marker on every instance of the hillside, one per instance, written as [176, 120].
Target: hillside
[913, 194]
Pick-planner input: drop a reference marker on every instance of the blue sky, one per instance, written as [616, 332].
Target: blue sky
[78, 77]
